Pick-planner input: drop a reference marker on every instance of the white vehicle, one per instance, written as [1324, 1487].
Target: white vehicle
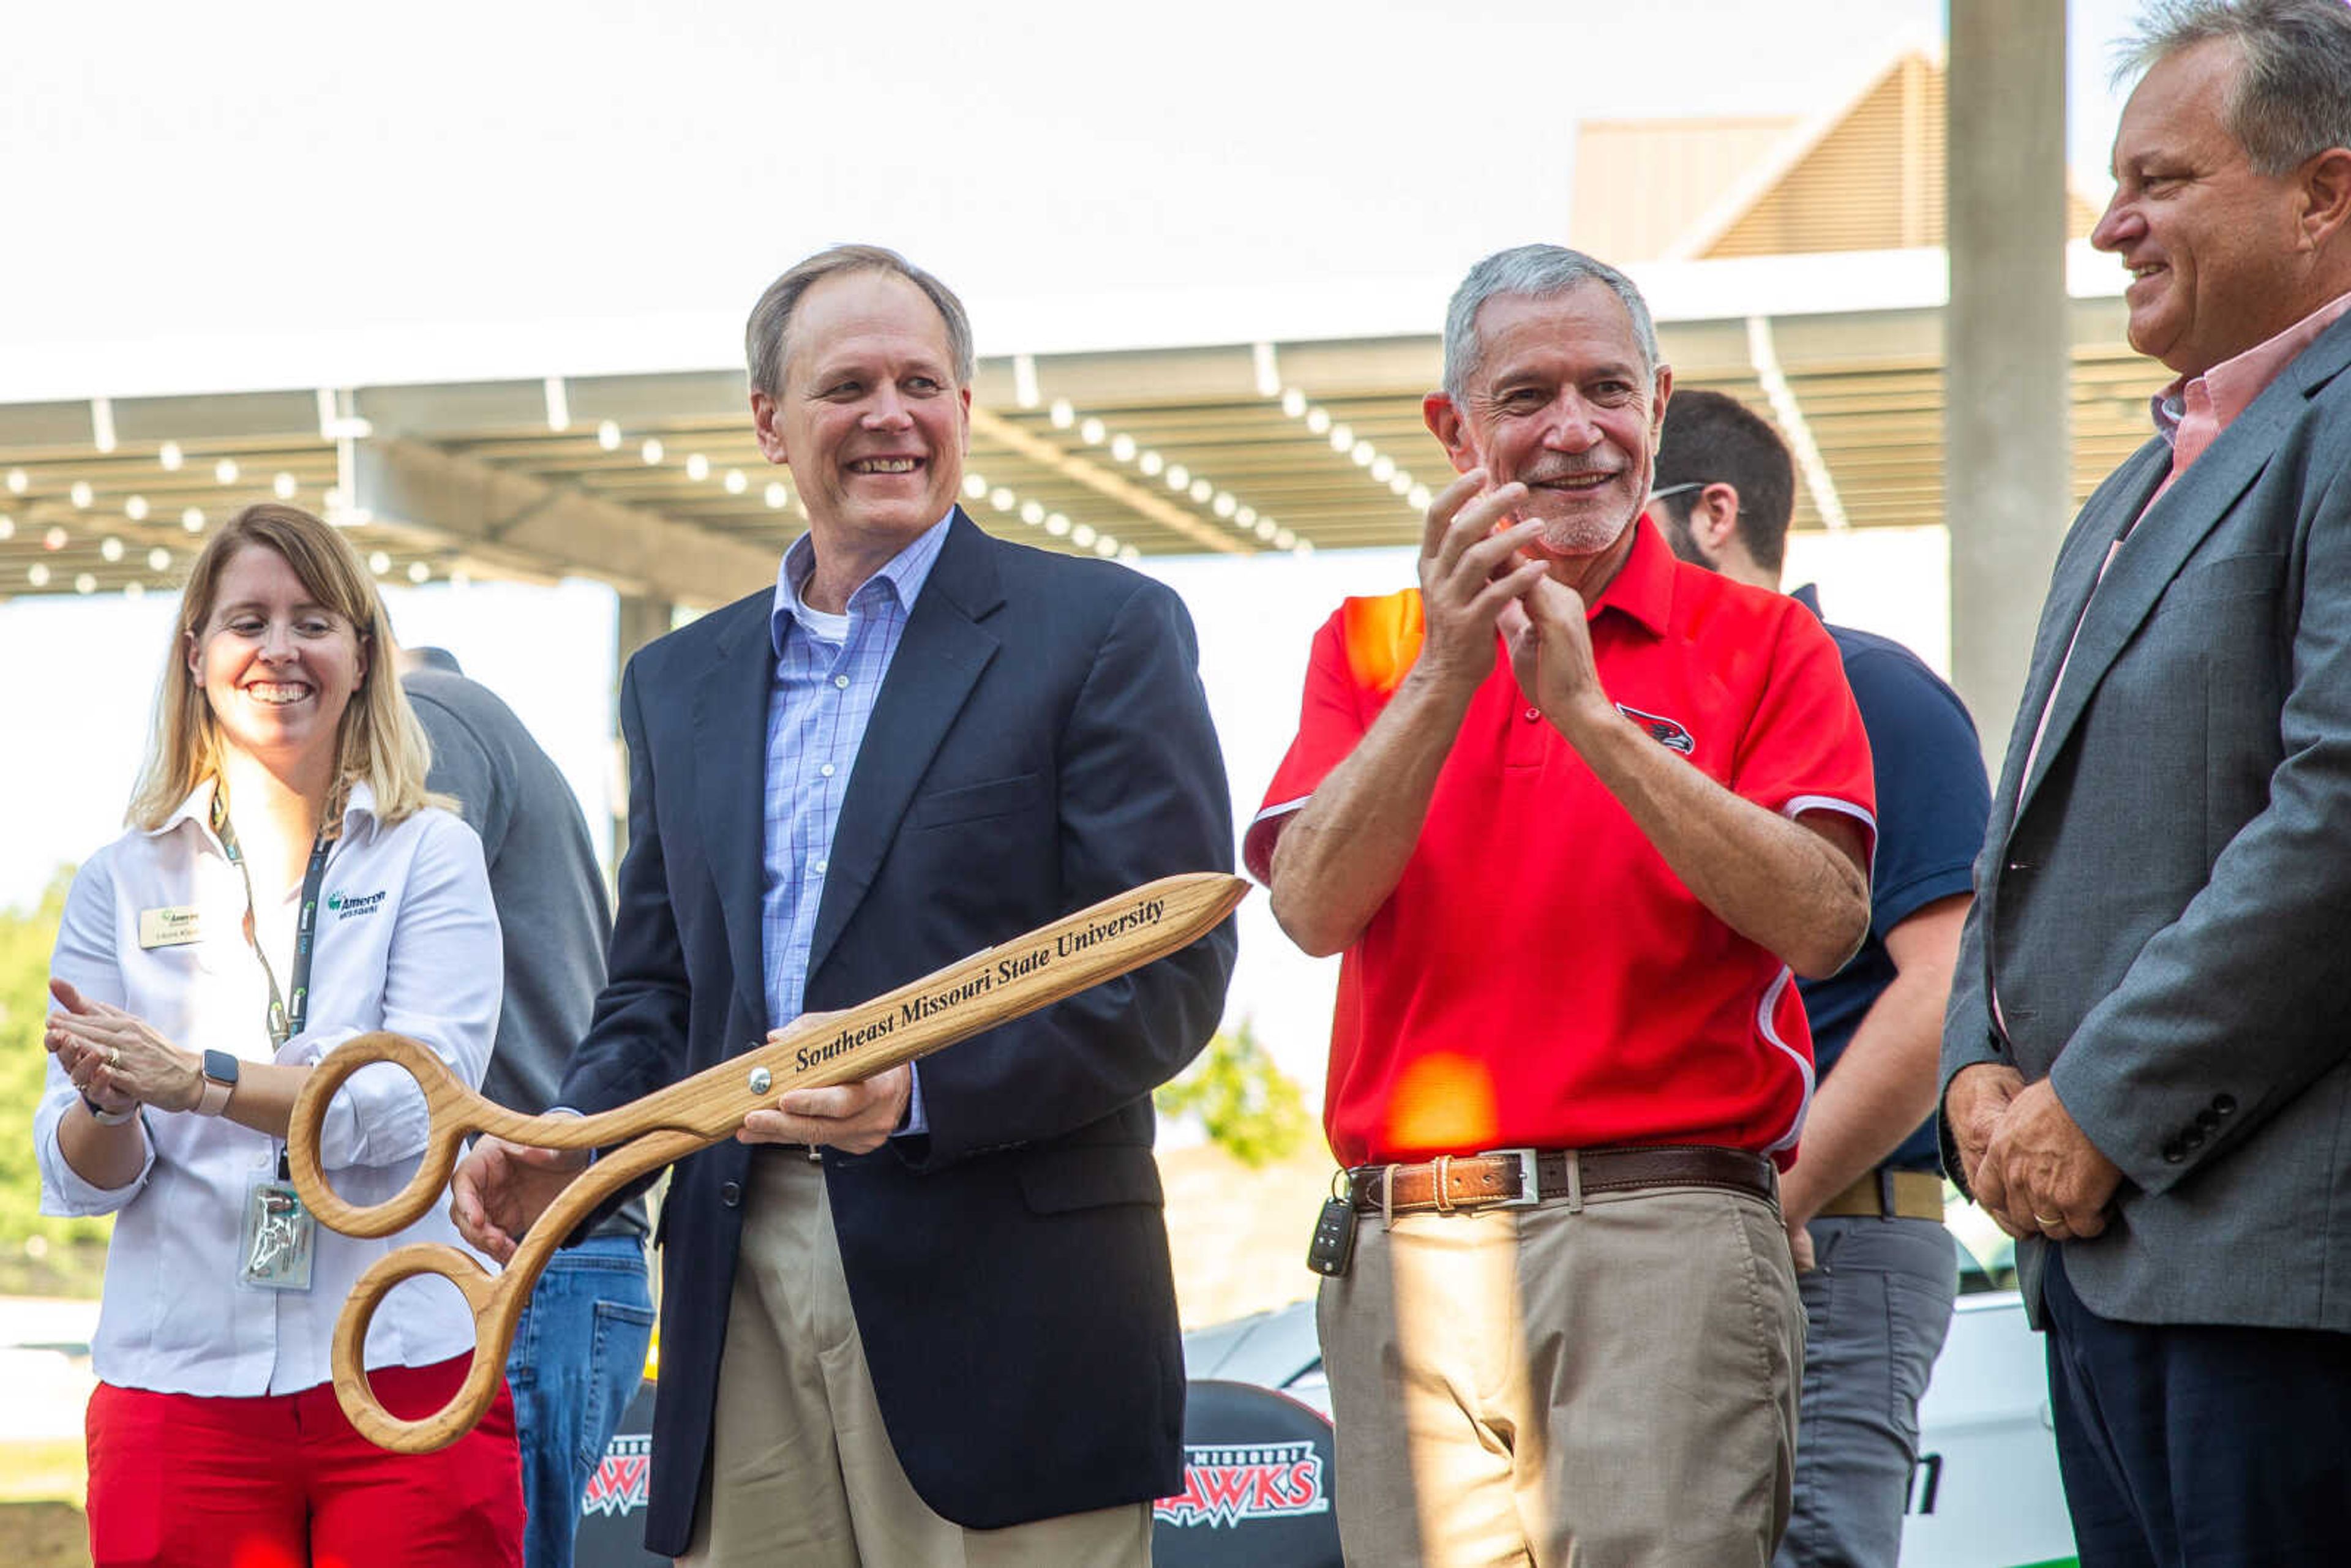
[1986, 1492]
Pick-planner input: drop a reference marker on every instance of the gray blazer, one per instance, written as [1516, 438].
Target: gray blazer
[2163, 905]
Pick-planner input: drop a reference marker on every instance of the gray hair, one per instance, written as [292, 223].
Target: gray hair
[2292, 99]
[1540, 272]
[764, 336]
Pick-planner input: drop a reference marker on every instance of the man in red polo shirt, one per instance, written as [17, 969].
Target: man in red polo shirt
[1573, 811]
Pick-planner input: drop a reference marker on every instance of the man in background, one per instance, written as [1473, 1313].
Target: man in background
[1864, 1202]
[1571, 834]
[2146, 1071]
[580, 1347]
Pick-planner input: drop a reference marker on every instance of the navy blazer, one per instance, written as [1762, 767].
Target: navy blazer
[1041, 742]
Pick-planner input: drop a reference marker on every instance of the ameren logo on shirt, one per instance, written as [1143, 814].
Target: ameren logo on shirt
[351, 906]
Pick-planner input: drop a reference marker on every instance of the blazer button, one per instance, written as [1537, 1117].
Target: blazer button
[2208, 1119]
[2224, 1103]
[2173, 1154]
[2193, 1138]
[731, 1194]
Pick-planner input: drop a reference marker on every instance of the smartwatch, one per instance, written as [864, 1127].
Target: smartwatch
[220, 1082]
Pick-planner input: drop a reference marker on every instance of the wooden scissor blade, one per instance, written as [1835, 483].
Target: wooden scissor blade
[992, 987]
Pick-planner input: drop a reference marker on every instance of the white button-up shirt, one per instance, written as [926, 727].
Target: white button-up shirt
[406, 941]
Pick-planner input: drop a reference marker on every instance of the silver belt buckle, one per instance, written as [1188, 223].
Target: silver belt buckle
[1529, 1182]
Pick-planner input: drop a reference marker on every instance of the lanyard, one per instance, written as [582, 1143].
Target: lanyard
[286, 1019]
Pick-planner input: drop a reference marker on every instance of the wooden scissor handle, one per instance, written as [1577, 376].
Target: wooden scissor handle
[495, 1300]
[456, 1114]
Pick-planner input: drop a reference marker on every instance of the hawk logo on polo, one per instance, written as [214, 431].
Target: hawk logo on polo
[622, 1479]
[351, 906]
[1232, 1483]
[1666, 732]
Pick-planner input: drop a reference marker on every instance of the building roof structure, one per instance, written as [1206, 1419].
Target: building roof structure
[1795, 262]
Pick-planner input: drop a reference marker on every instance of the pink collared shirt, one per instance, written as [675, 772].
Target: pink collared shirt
[2191, 414]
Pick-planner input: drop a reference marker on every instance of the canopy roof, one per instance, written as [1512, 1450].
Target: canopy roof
[652, 482]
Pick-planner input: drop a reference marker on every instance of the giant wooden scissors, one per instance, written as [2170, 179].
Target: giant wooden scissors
[987, 989]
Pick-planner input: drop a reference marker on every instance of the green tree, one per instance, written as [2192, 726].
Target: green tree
[26, 939]
[1248, 1105]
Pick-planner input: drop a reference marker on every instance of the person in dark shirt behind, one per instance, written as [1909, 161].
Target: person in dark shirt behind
[579, 1348]
[1863, 1201]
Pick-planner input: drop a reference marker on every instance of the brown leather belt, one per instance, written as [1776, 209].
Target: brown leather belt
[1888, 1193]
[1514, 1179]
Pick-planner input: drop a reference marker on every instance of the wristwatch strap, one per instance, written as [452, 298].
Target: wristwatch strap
[220, 1082]
[107, 1118]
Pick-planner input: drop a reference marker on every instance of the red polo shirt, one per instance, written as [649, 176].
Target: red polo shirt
[1539, 976]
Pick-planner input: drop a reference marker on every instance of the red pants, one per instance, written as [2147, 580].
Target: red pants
[179, 1480]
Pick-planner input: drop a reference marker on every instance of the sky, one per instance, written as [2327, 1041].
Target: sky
[253, 195]
[262, 193]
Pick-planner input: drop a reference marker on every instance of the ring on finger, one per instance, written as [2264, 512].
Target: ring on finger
[2046, 1220]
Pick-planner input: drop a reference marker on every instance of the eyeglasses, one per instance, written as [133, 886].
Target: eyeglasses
[1678, 489]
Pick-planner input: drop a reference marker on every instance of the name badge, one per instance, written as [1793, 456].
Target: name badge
[170, 927]
[278, 1239]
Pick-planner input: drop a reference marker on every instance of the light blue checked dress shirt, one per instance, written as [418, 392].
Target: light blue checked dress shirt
[829, 671]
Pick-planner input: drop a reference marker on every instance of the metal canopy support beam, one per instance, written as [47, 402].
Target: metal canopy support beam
[638, 621]
[2005, 433]
[526, 524]
[1763, 355]
[1102, 482]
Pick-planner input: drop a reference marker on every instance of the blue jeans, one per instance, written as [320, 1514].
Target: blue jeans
[578, 1355]
[1877, 1305]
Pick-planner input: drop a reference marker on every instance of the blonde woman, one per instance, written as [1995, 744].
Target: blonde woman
[285, 883]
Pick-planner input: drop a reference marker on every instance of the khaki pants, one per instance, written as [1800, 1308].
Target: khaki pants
[802, 1472]
[1608, 1388]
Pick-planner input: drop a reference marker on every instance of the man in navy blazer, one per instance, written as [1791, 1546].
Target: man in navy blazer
[927, 1317]
[2148, 1055]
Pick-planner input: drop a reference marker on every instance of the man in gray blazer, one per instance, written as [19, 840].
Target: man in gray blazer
[2148, 1056]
